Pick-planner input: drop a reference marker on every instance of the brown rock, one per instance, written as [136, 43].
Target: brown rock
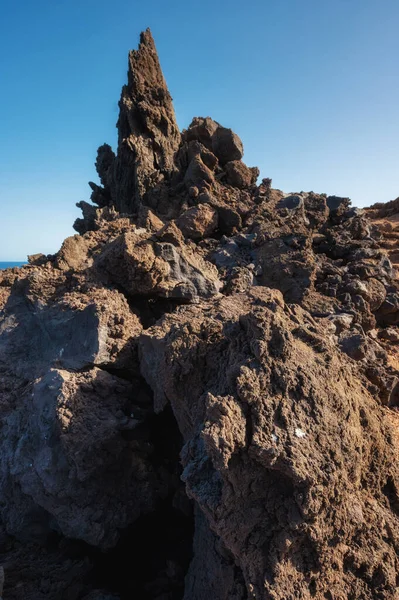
[74, 254]
[104, 165]
[354, 345]
[195, 148]
[198, 222]
[389, 334]
[239, 175]
[148, 132]
[89, 221]
[147, 219]
[158, 269]
[342, 321]
[201, 129]
[171, 234]
[193, 192]
[148, 138]
[37, 259]
[376, 293]
[247, 377]
[226, 145]
[100, 195]
[316, 210]
[198, 174]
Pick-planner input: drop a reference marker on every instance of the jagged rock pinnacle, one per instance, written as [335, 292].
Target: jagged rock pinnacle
[156, 167]
[148, 136]
[147, 125]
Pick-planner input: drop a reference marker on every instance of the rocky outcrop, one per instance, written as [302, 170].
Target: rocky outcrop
[384, 219]
[198, 393]
[246, 379]
[148, 136]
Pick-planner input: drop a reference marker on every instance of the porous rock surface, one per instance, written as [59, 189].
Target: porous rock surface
[198, 393]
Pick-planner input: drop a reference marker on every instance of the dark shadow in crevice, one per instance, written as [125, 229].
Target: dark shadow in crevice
[391, 493]
[152, 556]
[150, 560]
[150, 309]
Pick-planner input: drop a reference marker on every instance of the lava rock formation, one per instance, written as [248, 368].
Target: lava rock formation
[199, 391]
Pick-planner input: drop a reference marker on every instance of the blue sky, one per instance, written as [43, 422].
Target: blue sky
[311, 86]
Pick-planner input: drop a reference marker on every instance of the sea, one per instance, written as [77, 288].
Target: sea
[7, 265]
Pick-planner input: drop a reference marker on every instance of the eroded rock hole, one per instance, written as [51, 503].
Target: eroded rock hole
[151, 310]
[391, 494]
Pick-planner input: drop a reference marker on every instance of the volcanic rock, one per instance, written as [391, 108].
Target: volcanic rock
[201, 129]
[199, 393]
[148, 136]
[239, 175]
[145, 268]
[198, 222]
[254, 460]
[227, 145]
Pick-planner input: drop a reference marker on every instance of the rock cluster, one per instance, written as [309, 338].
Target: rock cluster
[198, 393]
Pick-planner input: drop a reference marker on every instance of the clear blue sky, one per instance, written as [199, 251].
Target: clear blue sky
[311, 86]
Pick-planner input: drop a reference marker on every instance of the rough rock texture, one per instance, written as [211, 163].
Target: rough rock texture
[142, 267]
[280, 465]
[199, 393]
[148, 136]
[198, 222]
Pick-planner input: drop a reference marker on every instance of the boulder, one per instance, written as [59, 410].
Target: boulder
[239, 175]
[198, 222]
[158, 269]
[73, 331]
[149, 220]
[78, 490]
[390, 335]
[198, 174]
[354, 345]
[74, 253]
[201, 129]
[293, 202]
[226, 145]
[342, 321]
[171, 234]
[337, 206]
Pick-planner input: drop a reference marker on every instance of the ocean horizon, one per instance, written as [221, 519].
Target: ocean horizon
[7, 264]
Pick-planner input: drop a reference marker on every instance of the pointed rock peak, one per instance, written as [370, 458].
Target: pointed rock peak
[146, 39]
[146, 109]
[157, 167]
[148, 137]
[144, 66]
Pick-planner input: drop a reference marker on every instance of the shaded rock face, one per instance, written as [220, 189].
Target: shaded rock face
[46, 464]
[199, 393]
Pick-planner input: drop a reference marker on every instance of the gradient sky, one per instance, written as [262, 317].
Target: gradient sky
[311, 87]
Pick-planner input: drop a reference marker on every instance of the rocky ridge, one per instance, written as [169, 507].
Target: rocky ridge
[199, 391]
